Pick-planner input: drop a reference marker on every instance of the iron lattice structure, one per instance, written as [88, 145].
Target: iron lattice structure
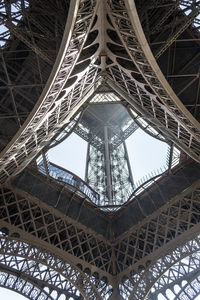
[57, 69]
[106, 127]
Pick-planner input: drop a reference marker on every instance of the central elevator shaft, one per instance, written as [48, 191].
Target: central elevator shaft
[108, 177]
[105, 127]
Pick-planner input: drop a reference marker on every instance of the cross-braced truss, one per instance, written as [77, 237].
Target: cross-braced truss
[175, 267]
[54, 276]
[137, 51]
[120, 187]
[108, 169]
[181, 278]
[124, 259]
[29, 41]
[87, 51]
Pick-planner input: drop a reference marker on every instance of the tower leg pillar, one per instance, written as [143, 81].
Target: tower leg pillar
[107, 165]
[116, 295]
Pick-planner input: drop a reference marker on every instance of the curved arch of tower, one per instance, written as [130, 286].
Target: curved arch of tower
[101, 69]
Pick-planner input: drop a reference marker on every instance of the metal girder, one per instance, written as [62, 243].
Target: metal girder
[24, 68]
[191, 289]
[185, 270]
[182, 52]
[10, 19]
[181, 28]
[169, 11]
[78, 244]
[24, 86]
[26, 285]
[143, 80]
[22, 37]
[65, 131]
[45, 113]
[11, 91]
[38, 264]
[143, 281]
[144, 111]
[103, 261]
[152, 238]
[137, 46]
[108, 172]
[77, 255]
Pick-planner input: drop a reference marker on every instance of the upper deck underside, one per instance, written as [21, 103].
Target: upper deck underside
[122, 50]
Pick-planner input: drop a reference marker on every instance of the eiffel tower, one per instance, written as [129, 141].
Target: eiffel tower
[101, 69]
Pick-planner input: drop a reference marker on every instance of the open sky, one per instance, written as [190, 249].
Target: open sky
[146, 154]
[6, 294]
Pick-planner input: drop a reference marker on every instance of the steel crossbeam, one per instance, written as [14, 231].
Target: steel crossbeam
[103, 48]
[157, 117]
[26, 285]
[187, 269]
[18, 33]
[37, 263]
[124, 260]
[183, 125]
[191, 289]
[138, 74]
[65, 131]
[168, 13]
[143, 282]
[50, 111]
[76, 243]
[189, 20]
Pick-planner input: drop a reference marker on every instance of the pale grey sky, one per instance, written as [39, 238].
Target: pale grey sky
[146, 154]
[145, 157]
[6, 294]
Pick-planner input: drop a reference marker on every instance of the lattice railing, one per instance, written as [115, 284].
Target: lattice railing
[67, 177]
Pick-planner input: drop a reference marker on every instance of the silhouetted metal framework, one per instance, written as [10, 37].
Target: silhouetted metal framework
[105, 127]
[57, 59]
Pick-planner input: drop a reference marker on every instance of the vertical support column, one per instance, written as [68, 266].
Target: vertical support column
[116, 295]
[122, 179]
[128, 164]
[87, 162]
[46, 167]
[95, 172]
[107, 165]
